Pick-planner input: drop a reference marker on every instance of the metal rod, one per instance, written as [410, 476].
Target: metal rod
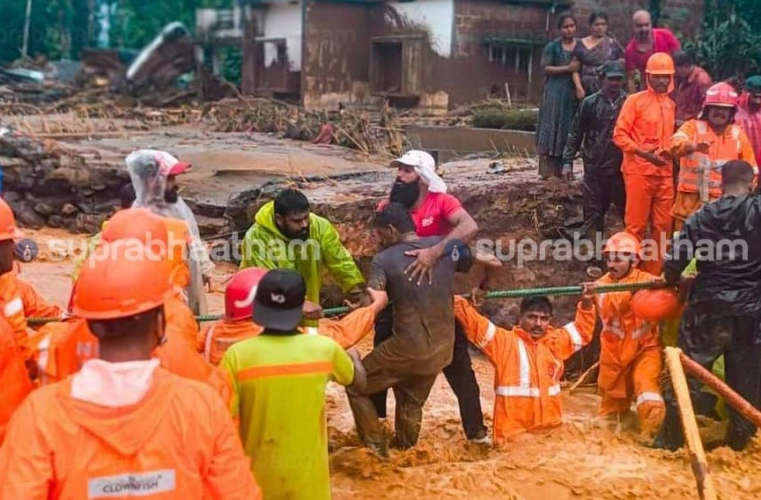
[497, 294]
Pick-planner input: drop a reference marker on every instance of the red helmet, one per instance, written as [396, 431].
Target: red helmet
[240, 293]
[721, 94]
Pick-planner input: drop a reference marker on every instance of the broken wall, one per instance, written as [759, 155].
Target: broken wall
[336, 55]
[441, 59]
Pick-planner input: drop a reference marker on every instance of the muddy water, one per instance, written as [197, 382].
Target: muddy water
[587, 457]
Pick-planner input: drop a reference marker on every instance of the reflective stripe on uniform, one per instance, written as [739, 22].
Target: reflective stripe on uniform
[312, 330]
[526, 392]
[489, 336]
[524, 388]
[525, 367]
[648, 396]
[13, 307]
[207, 344]
[42, 359]
[516, 391]
[310, 368]
[573, 332]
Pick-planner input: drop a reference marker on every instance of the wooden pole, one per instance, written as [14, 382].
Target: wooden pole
[706, 489]
[733, 399]
[583, 376]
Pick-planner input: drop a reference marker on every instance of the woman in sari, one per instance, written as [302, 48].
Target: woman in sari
[593, 51]
[559, 98]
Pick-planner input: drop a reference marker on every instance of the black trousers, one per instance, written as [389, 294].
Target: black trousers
[601, 188]
[704, 336]
[459, 374]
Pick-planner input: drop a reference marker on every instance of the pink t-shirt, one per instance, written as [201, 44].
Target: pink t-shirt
[663, 41]
[430, 217]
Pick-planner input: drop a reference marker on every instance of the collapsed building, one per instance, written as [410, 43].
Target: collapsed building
[430, 54]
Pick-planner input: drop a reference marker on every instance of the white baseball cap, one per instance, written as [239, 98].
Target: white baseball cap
[425, 167]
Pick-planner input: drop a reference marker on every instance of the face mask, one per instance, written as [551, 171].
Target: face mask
[170, 195]
[405, 193]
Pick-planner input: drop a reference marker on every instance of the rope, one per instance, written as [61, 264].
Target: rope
[497, 294]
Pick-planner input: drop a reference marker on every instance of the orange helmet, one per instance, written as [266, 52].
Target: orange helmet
[121, 279]
[660, 63]
[622, 242]
[655, 305]
[8, 229]
[721, 94]
[137, 223]
[240, 293]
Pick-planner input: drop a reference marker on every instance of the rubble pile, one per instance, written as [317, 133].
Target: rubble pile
[51, 184]
[371, 133]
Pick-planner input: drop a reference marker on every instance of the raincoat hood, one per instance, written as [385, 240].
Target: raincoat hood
[148, 170]
[125, 428]
[265, 217]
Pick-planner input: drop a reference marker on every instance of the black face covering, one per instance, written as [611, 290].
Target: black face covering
[405, 193]
[170, 195]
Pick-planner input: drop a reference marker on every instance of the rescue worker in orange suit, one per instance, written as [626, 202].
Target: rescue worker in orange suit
[70, 344]
[122, 424]
[236, 325]
[643, 132]
[630, 350]
[528, 361]
[14, 379]
[15, 293]
[703, 145]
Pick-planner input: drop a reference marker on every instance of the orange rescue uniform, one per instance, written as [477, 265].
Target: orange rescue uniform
[62, 447]
[700, 173]
[646, 122]
[527, 371]
[630, 356]
[65, 346]
[216, 338]
[14, 378]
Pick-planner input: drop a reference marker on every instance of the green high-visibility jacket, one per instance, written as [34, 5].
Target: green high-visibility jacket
[265, 246]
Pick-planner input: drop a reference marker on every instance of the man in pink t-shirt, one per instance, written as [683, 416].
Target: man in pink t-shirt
[434, 213]
[646, 42]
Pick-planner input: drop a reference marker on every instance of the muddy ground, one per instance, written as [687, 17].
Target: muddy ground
[585, 458]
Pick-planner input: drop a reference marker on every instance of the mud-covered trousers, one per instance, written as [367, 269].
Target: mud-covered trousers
[459, 375]
[601, 188]
[704, 336]
[410, 392]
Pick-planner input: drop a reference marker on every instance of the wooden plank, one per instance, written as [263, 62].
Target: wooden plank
[706, 489]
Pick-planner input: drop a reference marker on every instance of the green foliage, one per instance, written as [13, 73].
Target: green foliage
[730, 39]
[497, 117]
[60, 28]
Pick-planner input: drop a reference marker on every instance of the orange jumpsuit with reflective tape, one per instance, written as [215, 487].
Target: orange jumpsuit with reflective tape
[646, 122]
[178, 441]
[12, 309]
[630, 356]
[698, 169]
[14, 378]
[216, 338]
[527, 371]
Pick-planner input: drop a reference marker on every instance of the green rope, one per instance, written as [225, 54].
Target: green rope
[497, 294]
